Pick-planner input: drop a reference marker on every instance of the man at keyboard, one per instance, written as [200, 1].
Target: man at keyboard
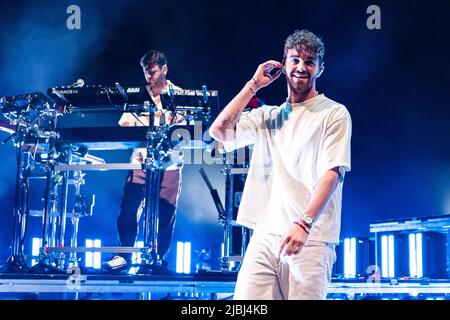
[154, 65]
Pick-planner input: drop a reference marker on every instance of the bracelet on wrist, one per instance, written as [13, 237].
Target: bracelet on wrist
[301, 225]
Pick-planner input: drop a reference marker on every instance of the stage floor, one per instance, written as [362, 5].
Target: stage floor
[206, 286]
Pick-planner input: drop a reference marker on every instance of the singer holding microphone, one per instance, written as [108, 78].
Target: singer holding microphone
[293, 192]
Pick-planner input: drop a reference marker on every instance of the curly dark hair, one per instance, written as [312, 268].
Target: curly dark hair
[307, 41]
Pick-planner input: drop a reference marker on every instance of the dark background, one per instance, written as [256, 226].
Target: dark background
[394, 82]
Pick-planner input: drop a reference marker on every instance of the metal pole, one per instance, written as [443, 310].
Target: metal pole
[227, 236]
[53, 218]
[64, 193]
[48, 186]
[63, 216]
[24, 201]
[78, 181]
[155, 211]
[244, 240]
[18, 205]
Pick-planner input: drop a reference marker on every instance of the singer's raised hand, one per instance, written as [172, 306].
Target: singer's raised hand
[263, 77]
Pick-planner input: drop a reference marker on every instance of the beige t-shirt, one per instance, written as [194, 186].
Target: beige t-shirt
[133, 120]
[294, 145]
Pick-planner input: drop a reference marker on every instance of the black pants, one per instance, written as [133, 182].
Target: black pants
[134, 194]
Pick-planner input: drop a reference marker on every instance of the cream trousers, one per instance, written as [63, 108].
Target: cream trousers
[264, 275]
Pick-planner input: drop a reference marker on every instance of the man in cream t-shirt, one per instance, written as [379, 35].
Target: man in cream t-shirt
[154, 65]
[293, 192]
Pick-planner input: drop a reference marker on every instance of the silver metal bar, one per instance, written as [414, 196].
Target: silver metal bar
[384, 288]
[239, 170]
[236, 258]
[62, 221]
[82, 284]
[74, 239]
[435, 224]
[101, 249]
[229, 217]
[93, 167]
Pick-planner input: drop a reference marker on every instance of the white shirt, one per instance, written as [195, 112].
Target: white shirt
[294, 145]
[133, 120]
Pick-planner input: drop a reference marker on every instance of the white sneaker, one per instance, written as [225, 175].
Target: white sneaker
[117, 262]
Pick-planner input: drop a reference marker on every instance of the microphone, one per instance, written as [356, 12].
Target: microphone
[77, 84]
[271, 71]
[121, 91]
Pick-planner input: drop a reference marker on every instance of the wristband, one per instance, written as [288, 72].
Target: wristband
[302, 226]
